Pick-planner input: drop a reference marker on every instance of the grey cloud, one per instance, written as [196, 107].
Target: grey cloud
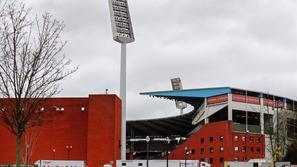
[245, 44]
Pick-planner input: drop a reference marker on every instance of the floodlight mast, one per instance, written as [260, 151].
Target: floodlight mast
[123, 33]
[177, 85]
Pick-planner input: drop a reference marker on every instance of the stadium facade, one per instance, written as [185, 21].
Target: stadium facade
[226, 124]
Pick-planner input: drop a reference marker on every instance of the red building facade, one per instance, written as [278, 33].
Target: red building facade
[218, 142]
[73, 128]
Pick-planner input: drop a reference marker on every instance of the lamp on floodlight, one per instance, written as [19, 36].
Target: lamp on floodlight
[123, 33]
[177, 85]
[120, 21]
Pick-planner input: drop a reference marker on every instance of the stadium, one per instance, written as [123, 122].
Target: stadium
[226, 124]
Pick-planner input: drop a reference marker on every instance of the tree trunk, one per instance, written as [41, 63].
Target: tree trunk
[18, 148]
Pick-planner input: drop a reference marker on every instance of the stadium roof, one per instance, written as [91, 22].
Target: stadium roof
[199, 93]
[195, 96]
[180, 125]
[192, 96]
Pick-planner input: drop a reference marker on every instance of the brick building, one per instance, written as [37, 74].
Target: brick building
[225, 124]
[73, 128]
[218, 142]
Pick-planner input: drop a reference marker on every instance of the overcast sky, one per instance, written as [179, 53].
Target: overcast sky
[238, 43]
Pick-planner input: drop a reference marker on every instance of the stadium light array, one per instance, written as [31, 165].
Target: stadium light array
[123, 33]
[120, 21]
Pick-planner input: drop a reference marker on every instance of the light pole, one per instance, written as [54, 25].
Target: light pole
[186, 153]
[123, 33]
[186, 149]
[27, 154]
[168, 142]
[147, 139]
[54, 154]
[68, 148]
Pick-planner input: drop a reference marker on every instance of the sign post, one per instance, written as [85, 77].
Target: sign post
[123, 33]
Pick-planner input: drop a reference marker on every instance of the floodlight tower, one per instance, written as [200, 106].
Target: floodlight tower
[177, 85]
[123, 33]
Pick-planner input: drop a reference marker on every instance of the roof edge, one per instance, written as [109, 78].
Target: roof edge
[184, 90]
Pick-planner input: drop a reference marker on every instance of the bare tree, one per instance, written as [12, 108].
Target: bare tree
[31, 67]
[30, 140]
[276, 130]
[291, 155]
[283, 139]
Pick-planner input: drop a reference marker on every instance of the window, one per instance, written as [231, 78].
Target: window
[251, 139]
[139, 164]
[123, 164]
[211, 150]
[252, 149]
[235, 138]
[202, 151]
[236, 148]
[291, 128]
[221, 149]
[290, 131]
[202, 140]
[258, 151]
[221, 160]
[258, 139]
[243, 149]
[211, 160]
[193, 151]
[243, 138]
[211, 140]
[221, 138]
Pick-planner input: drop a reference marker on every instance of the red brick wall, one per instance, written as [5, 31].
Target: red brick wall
[7, 146]
[91, 133]
[104, 130]
[216, 130]
[68, 127]
[254, 141]
[59, 128]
